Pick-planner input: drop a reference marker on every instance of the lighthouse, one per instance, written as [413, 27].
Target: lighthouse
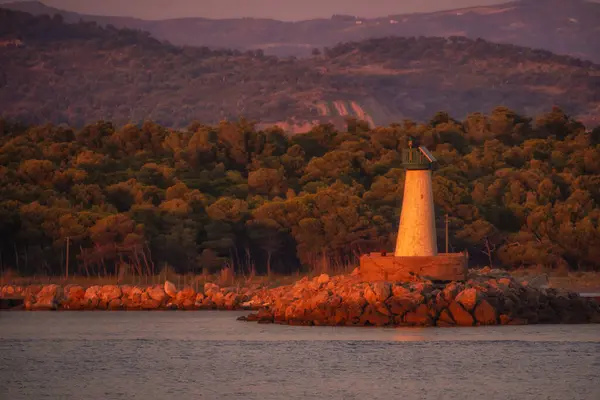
[416, 254]
[417, 233]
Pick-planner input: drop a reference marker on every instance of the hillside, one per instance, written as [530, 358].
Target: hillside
[78, 73]
[568, 27]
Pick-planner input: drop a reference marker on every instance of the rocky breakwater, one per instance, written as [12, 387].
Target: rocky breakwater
[126, 297]
[485, 299]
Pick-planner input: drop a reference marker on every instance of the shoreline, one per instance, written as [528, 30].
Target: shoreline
[488, 297]
[165, 297]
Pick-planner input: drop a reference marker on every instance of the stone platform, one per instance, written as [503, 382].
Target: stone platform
[443, 267]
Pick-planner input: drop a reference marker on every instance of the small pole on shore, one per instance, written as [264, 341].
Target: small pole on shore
[67, 266]
[446, 233]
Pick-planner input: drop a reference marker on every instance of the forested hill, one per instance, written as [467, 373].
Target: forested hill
[81, 73]
[518, 192]
[561, 26]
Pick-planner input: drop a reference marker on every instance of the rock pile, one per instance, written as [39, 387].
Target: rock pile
[125, 297]
[487, 298]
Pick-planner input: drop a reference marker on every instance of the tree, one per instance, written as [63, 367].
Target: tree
[268, 235]
[267, 181]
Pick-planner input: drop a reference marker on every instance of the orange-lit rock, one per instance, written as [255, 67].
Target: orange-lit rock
[157, 293]
[323, 278]
[110, 292]
[170, 289]
[47, 298]
[115, 304]
[445, 319]
[460, 315]
[186, 295]
[210, 289]
[483, 299]
[370, 316]
[485, 314]
[419, 317]
[467, 298]
[490, 298]
[378, 292]
[148, 303]
[75, 292]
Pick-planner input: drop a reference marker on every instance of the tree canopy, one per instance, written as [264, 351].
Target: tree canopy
[518, 191]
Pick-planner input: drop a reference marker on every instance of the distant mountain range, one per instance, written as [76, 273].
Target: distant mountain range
[81, 73]
[570, 27]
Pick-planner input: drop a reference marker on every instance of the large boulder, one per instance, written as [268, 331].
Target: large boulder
[126, 290]
[170, 289]
[322, 279]
[460, 315]
[378, 292]
[74, 292]
[400, 305]
[467, 298]
[423, 287]
[445, 319]
[419, 317]
[450, 291]
[74, 298]
[92, 297]
[185, 299]
[110, 292]
[485, 314]
[132, 298]
[198, 300]
[158, 293]
[371, 316]
[148, 303]
[48, 298]
[115, 304]
[210, 289]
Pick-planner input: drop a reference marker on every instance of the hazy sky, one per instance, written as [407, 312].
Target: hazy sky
[279, 9]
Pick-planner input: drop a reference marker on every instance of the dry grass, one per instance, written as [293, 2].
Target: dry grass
[582, 281]
[225, 278]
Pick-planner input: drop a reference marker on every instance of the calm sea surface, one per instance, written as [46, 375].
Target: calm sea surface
[210, 355]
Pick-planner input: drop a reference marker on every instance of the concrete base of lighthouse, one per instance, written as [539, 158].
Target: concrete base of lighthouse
[441, 267]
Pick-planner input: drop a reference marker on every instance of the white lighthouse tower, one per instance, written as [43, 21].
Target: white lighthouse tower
[417, 233]
[416, 254]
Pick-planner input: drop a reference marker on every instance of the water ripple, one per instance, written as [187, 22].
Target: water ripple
[212, 356]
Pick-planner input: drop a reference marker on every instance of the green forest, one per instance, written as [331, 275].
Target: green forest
[518, 191]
